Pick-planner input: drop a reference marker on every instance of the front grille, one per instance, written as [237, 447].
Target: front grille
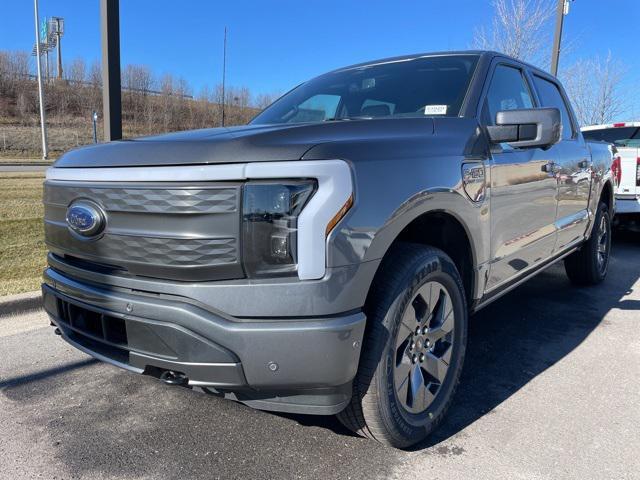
[158, 200]
[160, 230]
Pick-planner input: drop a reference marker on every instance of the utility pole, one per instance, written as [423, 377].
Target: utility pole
[562, 9]
[224, 72]
[111, 93]
[59, 31]
[43, 124]
[46, 64]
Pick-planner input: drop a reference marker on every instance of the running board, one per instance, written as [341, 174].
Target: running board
[504, 289]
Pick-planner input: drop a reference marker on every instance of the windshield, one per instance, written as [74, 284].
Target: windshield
[620, 136]
[420, 87]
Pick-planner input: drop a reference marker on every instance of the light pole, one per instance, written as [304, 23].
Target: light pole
[43, 125]
[562, 9]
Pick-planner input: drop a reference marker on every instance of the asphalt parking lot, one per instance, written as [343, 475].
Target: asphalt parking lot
[550, 390]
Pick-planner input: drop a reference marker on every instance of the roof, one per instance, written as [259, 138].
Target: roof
[414, 56]
[481, 53]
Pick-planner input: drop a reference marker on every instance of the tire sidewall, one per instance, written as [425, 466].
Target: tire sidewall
[414, 427]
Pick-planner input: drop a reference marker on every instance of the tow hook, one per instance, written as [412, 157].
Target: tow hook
[174, 378]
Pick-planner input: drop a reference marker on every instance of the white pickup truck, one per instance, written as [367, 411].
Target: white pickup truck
[626, 165]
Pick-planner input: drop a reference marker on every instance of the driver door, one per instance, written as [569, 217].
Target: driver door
[523, 195]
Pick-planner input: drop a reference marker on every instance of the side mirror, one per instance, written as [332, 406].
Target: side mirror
[527, 128]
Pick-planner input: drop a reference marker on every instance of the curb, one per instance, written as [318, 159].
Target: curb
[20, 303]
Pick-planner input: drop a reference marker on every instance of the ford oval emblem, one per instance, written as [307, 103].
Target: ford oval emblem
[85, 218]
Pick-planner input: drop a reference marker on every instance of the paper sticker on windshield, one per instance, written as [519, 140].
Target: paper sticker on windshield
[435, 110]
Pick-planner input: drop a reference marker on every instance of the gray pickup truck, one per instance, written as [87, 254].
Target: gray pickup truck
[324, 259]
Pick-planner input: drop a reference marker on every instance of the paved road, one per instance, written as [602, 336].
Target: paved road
[23, 168]
[550, 391]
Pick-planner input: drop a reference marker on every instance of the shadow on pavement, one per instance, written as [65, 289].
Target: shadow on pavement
[530, 329]
[44, 374]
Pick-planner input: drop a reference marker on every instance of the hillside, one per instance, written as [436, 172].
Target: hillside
[149, 106]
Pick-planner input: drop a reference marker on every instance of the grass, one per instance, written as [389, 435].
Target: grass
[22, 248]
[25, 160]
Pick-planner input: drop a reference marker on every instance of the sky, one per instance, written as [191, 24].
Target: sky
[274, 45]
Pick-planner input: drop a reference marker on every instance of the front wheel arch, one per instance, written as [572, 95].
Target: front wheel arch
[443, 230]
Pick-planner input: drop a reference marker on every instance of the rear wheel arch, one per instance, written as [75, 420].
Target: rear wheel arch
[606, 195]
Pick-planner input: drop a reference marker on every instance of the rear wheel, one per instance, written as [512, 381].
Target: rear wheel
[588, 266]
[413, 350]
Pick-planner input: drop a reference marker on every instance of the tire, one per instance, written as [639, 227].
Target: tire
[384, 406]
[589, 265]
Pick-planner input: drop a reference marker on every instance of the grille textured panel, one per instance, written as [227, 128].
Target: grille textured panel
[172, 252]
[151, 200]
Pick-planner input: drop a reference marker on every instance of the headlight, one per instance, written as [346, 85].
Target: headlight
[270, 223]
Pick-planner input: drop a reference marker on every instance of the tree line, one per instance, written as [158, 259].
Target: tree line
[150, 103]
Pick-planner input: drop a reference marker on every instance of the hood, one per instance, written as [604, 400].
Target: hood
[250, 143]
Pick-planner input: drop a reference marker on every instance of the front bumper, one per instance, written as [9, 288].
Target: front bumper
[296, 365]
[627, 205]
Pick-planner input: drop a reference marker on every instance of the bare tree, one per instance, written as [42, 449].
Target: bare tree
[263, 100]
[519, 28]
[95, 91]
[594, 87]
[167, 87]
[95, 75]
[19, 60]
[137, 78]
[76, 72]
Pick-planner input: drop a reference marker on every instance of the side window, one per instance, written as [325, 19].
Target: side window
[317, 108]
[550, 97]
[508, 91]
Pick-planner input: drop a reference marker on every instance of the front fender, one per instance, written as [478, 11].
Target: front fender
[389, 199]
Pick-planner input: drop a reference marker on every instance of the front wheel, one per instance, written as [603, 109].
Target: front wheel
[588, 266]
[413, 349]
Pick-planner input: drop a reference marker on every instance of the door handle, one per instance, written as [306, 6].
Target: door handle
[549, 167]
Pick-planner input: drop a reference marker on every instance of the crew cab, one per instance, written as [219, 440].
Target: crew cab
[325, 258]
[625, 136]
